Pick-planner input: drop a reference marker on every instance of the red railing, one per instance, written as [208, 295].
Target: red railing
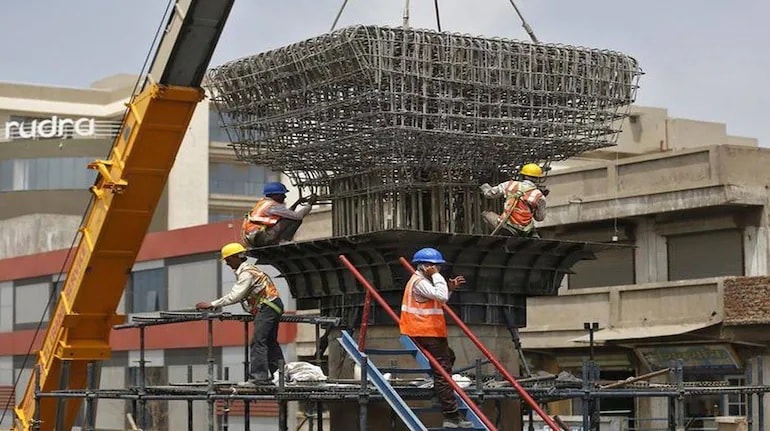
[492, 359]
[433, 362]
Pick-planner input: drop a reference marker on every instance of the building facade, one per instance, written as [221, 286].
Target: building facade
[49, 135]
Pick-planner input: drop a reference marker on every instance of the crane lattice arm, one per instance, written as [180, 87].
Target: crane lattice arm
[126, 193]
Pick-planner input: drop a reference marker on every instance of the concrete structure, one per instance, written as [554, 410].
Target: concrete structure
[48, 135]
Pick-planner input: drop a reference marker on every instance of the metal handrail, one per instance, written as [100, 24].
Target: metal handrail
[433, 362]
[497, 364]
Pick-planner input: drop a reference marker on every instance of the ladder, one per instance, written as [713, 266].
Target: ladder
[398, 404]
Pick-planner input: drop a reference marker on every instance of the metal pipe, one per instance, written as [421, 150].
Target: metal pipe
[761, 395]
[189, 402]
[282, 404]
[635, 379]
[434, 363]
[90, 413]
[497, 364]
[363, 399]
[246, 403]
[364, 321]
[226, 407]
[210, 360]
[64, 378]
[141, 415]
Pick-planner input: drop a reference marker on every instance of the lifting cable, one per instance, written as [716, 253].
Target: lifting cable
[55, 292]
[438, 18]
[339, 14]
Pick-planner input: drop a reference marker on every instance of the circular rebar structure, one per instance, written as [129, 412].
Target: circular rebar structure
[401, 120]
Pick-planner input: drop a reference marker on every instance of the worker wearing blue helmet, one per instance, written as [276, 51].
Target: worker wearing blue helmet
[270, 221]
[422, 318]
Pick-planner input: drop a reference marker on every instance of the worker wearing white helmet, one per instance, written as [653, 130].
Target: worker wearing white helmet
[524, 203]
[258, 295]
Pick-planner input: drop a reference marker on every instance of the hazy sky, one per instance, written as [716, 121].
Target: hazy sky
[703, 59]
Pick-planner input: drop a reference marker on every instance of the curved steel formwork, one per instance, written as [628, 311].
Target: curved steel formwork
[500, 271]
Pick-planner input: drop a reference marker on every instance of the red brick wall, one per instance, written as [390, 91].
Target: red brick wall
[747, 301]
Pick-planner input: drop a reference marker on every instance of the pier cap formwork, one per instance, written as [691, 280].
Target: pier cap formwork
[500, 271]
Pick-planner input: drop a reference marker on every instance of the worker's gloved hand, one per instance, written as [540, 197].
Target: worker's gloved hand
[545, 192]
[485, 188]
[312, 199]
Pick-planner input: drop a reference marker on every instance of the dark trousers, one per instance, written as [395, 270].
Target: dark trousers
[265, 351]
[284, 230]
[439, 348]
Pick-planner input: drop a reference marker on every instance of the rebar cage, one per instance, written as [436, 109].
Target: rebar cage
[375, 108]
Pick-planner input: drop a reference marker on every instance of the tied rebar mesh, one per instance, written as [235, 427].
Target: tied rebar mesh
[369, 113]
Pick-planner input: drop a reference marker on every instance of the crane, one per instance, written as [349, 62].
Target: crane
[125, 194]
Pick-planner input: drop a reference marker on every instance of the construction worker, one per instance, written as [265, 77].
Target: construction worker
[270, 221]
[423, 319]
[524, 203]
[258, 295]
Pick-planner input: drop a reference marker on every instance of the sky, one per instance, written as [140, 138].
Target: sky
[703, 60]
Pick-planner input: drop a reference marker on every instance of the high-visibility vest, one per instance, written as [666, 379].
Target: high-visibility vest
[265, 296]
[421, 319]
[522, 197]
[259, 215]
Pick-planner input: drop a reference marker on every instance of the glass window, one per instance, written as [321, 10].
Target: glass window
[148, 291]
[238, 178]
[60, 173]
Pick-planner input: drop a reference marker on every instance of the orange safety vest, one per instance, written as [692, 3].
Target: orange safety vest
[260, 217]
[522, 197]
[421, 319]
[257, 297]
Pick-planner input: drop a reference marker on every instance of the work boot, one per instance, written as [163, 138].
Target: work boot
[456, 421]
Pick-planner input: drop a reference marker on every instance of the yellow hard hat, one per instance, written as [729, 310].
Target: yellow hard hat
[531, 170]
[231, 249]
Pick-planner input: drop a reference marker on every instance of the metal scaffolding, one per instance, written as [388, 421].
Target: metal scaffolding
[219, 394]
[398, 120]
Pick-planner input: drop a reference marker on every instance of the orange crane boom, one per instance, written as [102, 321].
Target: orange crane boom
[126, 193]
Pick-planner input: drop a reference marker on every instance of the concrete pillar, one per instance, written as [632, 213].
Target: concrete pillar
[755, 251]
[496, 338]
[651, 254]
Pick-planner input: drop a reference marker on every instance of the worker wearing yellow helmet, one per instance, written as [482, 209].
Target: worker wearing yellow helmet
[524, 203]
[258, 295]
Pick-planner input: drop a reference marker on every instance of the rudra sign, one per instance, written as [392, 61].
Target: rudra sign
[53, 127]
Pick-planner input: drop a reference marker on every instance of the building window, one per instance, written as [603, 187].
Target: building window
[217, 216]
[735, 404]
[148, 291]
[217, 132]
[62, 173]
[238, 178]
[705, 254]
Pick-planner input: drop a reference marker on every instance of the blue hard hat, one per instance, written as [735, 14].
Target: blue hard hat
[428, 255]
[275, 189]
